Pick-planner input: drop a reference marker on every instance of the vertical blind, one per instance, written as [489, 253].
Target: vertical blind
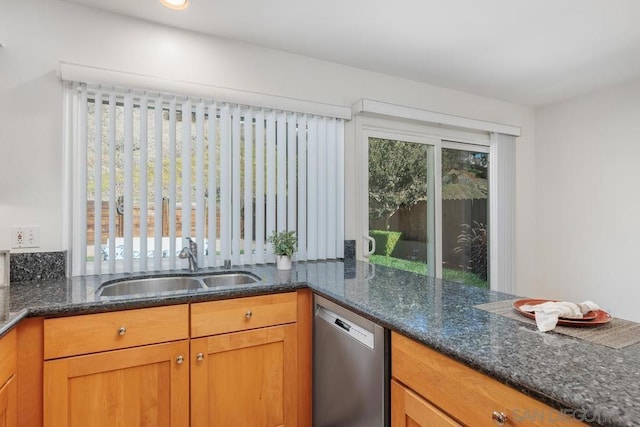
[153, 169]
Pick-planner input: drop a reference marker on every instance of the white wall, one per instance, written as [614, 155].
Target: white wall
[588, 201]
[39, 33]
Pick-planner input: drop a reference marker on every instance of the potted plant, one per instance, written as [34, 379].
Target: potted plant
[284, 245]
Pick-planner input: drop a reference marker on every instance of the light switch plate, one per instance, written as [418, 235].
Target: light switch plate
[25, 237]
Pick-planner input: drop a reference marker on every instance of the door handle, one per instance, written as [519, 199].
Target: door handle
[370, 243]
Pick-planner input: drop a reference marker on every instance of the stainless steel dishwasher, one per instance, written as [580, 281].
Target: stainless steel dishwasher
[350, 369]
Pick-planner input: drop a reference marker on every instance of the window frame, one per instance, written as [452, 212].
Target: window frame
[435, 256]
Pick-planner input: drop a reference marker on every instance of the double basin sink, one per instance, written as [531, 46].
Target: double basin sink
[173, 284]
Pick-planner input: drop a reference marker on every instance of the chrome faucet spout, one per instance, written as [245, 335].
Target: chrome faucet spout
[191, 253]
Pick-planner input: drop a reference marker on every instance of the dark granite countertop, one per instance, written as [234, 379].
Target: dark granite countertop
[596, 384]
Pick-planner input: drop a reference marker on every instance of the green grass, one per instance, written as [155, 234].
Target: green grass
[421, 268]
[464, 277]
[400, 264]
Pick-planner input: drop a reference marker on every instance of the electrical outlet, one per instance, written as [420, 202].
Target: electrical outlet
[25, 237]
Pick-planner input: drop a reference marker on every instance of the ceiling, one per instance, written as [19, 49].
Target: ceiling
[530, 52]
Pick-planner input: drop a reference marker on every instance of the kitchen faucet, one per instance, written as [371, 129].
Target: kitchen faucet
[191, 253]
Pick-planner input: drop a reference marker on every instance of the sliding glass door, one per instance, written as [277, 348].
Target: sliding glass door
[401, 204]
[465, 207]
[428, 207]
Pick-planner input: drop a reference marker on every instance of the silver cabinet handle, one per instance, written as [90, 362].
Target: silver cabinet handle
[248, 314]
[499, 418]
[180, 360]
[122, 330]
[199, 357]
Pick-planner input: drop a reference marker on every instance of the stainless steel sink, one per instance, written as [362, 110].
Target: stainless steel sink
[173, 284]
[152, 285]
[229, 279]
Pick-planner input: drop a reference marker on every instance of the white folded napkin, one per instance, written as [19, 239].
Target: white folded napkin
[548, 313]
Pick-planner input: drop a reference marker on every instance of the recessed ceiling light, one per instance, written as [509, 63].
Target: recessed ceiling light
[175, 4]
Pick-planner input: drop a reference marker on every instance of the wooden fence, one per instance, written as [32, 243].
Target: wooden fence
[151, 221]
[412, 223]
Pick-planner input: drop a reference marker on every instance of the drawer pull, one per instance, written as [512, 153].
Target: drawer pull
[248, 314]
[499, 418]
[180, 360]
[199, 357]
[122, 330]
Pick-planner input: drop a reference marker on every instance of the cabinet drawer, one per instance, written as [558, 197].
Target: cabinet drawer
[219, 317]
[464, 393]
[8, 359]
[69, 336]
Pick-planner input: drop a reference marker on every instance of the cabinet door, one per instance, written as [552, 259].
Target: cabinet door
[142, 386]
[8, 380]
[8, 403]
[410, 410]
[245, 378]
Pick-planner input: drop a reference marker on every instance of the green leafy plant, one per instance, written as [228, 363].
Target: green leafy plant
[397, 173]
[284, 242]
[472, 242]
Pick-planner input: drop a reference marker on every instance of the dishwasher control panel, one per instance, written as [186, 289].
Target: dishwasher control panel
[356, 332]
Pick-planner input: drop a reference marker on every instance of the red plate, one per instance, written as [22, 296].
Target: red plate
[592, 318]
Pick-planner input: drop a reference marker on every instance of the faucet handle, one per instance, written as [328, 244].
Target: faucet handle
[193, 245]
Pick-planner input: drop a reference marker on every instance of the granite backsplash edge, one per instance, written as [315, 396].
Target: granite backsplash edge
[33, 266]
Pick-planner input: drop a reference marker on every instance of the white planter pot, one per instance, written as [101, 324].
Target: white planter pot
[283, 262]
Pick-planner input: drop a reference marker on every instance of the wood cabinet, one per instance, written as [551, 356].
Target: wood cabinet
[142, 386]
[429, 388]
[246, 374]
[30, 356]
[123, 379]
[8, 380]
[8, 410]
[236, 362]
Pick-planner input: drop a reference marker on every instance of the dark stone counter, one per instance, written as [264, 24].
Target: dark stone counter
[596, 384]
